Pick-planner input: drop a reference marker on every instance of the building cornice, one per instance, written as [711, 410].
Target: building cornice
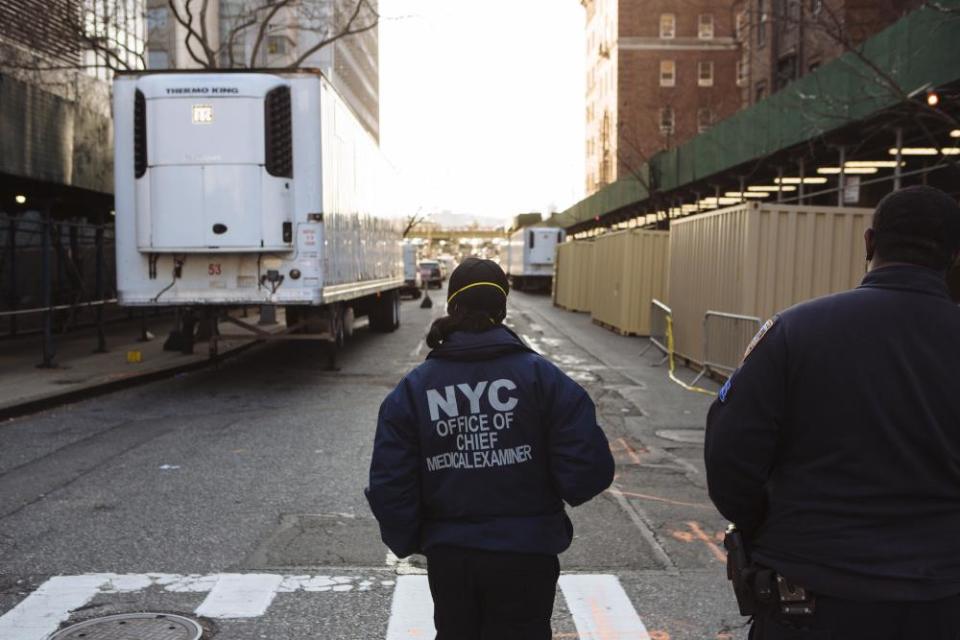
[676, 44]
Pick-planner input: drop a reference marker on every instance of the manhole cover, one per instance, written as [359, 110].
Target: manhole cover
[133, 626]
[687, 436]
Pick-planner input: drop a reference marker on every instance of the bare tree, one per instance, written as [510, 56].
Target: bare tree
[87, 31]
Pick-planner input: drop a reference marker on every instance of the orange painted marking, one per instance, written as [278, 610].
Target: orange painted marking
[631, 494]
[630, 450]
[718, 553]
[696, 532]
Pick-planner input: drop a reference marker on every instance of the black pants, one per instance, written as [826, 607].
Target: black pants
[487, 595]
[837, 619]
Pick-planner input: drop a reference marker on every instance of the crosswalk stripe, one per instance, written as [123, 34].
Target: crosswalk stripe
[240, 595]
[40, 613]
[411, 614]
[601, 609]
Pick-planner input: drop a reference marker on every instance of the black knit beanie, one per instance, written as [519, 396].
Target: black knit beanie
[478, 285]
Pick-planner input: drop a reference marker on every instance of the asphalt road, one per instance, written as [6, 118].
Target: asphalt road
[145, 498]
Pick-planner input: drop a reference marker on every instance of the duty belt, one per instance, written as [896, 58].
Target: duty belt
[758, 587]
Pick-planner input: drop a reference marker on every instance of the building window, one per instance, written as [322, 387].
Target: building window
[705, 74]
[668, 25]
[157, 19]
[668, 73]
[816, 6]
[704, 119]
[743, 69]
[158, 59]
[761, 23]
[786, 71]
[705, 26]
[277, 45]
[760, 91]
[666, 121]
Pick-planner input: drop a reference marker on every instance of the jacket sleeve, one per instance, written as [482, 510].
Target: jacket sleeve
[580, 459]
[743, 429]
[394, 491]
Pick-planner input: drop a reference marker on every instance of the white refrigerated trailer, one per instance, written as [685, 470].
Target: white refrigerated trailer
[530, 256]
[253, 188]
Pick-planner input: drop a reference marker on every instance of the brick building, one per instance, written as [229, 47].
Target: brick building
[658, 73]
[783, 40]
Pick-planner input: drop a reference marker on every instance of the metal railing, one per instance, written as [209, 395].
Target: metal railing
[660, 315]
[58, 270]
[725, 338]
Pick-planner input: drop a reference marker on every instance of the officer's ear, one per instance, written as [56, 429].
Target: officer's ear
[870, 243]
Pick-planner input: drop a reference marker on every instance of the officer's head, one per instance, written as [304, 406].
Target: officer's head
[916, 225]
[476, 300]
[480, 286]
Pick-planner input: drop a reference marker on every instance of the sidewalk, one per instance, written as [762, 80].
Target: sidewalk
[79, 372]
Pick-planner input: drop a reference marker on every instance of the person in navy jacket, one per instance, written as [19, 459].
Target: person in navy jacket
[475, 454]
[835, 447]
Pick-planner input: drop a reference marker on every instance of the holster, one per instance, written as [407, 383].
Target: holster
[759, 588]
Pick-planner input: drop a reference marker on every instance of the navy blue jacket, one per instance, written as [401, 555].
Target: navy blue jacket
[836, 445]
[480, 446]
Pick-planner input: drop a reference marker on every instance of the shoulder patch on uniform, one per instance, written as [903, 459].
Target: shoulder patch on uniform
[725, 389]
[760, 335]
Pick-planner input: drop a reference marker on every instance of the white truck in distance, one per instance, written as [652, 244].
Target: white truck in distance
[530, 257]
[253, 188]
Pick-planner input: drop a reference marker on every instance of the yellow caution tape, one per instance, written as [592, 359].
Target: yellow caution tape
[673, 366]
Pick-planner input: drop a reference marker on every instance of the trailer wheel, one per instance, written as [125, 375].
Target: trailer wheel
[385, 314]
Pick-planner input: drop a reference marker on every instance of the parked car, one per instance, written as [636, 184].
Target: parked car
[430, 273]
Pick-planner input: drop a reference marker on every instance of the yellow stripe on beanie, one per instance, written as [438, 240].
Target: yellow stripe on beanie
[477, 284]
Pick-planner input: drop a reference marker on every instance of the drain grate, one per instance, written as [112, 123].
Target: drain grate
[133, 626]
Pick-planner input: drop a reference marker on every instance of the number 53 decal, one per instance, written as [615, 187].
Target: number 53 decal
[213, 269]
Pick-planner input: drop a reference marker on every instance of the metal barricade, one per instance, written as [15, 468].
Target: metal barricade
[659, 323]
[56, 270]
[725, 338]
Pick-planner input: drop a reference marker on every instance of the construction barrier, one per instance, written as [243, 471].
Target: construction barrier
[725, 339]
[756, 259]
[630, 270]
[573, 276]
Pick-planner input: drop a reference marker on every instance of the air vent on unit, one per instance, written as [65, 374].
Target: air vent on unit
[278, 129]
[139, 135]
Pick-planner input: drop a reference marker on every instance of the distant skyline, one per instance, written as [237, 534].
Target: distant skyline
[482, 104]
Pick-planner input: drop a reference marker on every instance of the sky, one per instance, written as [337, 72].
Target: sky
[482, 103]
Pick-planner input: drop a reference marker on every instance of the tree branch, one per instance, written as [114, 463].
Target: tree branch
[262, 32]
[187, 23]
[348, 30]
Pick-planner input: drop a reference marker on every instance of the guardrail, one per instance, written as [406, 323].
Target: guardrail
[725, 338]
[660, 320]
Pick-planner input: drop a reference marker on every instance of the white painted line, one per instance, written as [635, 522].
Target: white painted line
[411, 614]
[601, 609]
[39, 615]
[238, 595]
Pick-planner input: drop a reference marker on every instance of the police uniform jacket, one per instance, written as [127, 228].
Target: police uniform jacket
[480, 446]
[836, 445]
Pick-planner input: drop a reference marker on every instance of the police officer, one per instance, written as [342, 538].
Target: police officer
[476, 451]
[835, 447]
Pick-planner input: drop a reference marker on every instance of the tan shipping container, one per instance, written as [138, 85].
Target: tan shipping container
[573, 279]
[756, 259]
[630, 269]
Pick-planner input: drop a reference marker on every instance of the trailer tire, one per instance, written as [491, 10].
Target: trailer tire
[385, 315]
